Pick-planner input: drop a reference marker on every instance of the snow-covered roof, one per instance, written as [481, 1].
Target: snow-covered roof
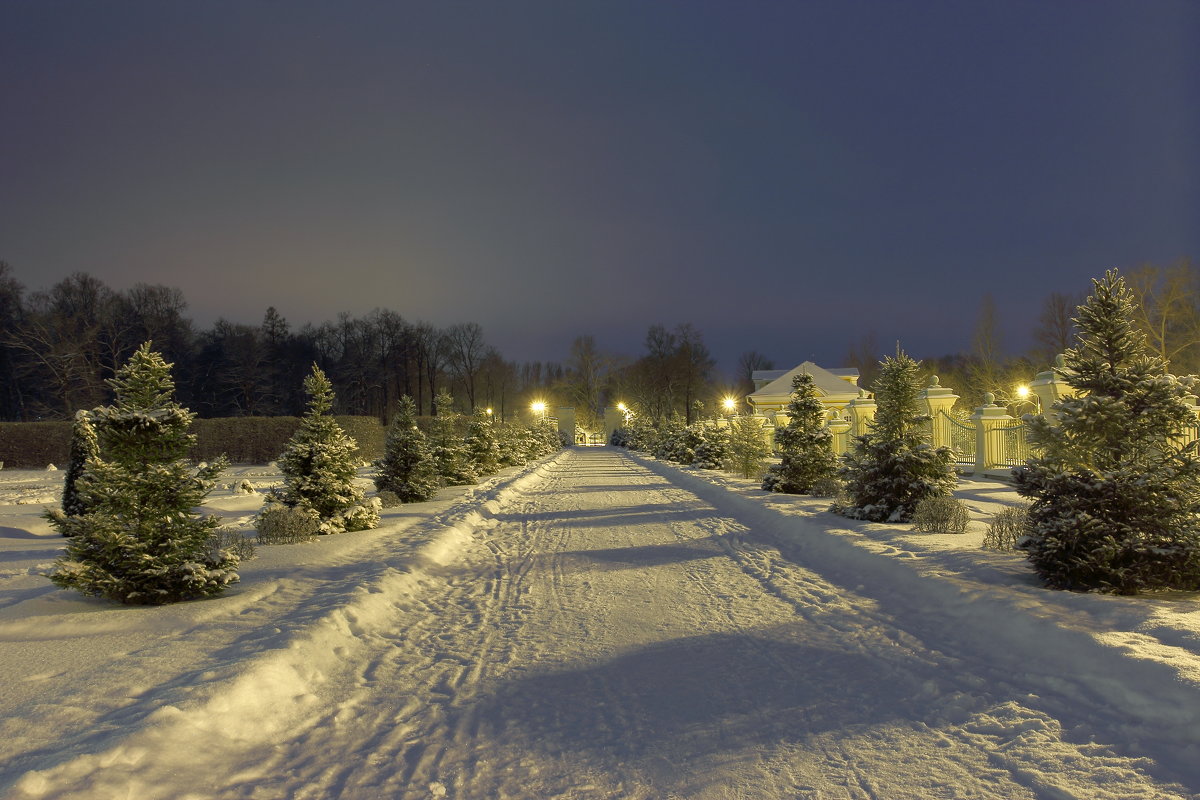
[828, 383]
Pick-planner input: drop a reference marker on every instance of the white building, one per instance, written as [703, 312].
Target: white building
[773, 388]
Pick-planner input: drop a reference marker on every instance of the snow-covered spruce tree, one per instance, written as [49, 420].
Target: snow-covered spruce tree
[805, 445]
[1116, 494]
[407, 465]
[139, 540]
[450, 456]
[546, 439]
[892, 467]
[511, 438]
[319, 465]
[747, 448]
[666, 437]
[482, 445]
[713, 450]
[84, 447]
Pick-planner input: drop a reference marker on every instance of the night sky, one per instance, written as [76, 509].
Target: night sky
[786, 176]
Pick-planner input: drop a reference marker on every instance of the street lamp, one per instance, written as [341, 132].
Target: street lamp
[729, 404]
[539, 408]
[1026, 396]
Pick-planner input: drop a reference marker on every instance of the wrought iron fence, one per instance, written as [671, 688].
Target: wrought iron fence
[962, 438]
[1014, 449]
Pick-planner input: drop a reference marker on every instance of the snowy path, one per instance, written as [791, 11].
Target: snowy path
[598, 630]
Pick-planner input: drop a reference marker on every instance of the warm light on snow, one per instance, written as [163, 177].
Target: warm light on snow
[598, 625]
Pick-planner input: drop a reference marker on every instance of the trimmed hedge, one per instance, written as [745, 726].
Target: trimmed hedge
[33, 445]
[244, 440]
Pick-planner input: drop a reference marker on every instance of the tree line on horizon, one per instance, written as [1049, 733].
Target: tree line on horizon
[59, 347]
[61, 344]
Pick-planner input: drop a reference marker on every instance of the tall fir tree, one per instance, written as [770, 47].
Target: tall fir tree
[139, 540]
[482, 445]
[84, 447]
[450, 456]
[805, 445]
[407, 466]
[319, 466]
[1115, 491]
[892, 467]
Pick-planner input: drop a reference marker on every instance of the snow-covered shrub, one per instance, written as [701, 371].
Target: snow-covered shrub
[319, 465]
[892, 467]
[1006, 528]
[805, 446]
[140, 541]
[226, 540]
[245, 487]
[619, 438]
[748, 450]
[1115, 491]
[388, 498]
[941, 514]
[361, 517]
[279, 523]
[407, 471]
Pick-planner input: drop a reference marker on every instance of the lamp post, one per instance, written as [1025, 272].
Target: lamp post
[1024, 395]
[730, 406]
[539, 408]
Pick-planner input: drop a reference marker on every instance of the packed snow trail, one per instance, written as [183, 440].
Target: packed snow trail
[602, 632]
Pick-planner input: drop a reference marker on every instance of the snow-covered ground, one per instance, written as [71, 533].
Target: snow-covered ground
[599, 625]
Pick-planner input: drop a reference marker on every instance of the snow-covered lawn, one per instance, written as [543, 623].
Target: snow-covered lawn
[598, 625]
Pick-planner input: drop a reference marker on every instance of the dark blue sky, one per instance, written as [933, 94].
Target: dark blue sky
[784, 175]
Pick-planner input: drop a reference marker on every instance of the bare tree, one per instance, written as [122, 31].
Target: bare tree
[1166, 310]
[1056, 325]
[466, 351]
[750, 362]
[585, 375]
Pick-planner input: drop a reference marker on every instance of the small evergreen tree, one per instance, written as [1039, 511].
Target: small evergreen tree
[805, 445]
[666, 437]
[482, 445]
[747, 448]
[713, 450]
[84, 447]
[1116, 493]
[138, 540]
[407, 465]
[892, 467]
[450, 456]
[319, 467]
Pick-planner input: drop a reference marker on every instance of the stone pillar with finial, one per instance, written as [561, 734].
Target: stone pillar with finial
[1051, 386]
[938, 401]
[862, 413]
[989, 421]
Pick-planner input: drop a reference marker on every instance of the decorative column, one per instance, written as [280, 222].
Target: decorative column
[938, 402]
[862, 413]
[1050, 387]
[839, 427]
[989, 439]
